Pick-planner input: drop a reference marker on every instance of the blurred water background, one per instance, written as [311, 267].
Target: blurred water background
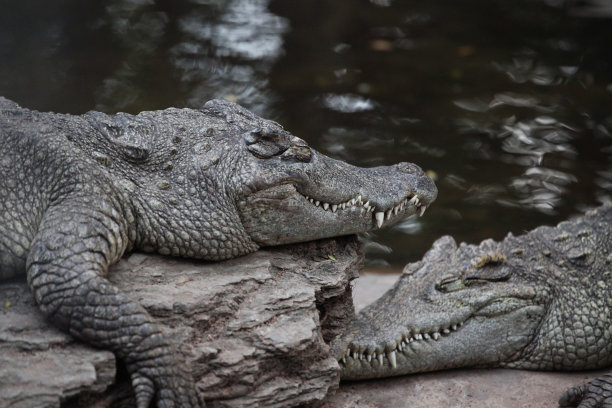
[507, 103]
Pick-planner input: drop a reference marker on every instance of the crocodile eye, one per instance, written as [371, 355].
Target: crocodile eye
[266, 142]
[469, 281]
[450, 284]
[299, 151]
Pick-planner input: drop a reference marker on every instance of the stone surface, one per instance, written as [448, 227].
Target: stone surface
[39, 365]
[252, 328]
[464, 388]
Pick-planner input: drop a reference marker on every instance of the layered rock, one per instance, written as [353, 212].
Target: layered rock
[254, 329]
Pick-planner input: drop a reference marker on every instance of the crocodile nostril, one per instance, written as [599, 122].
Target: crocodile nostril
[410, 168]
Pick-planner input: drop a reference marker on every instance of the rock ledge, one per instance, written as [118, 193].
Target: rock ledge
[254, 329]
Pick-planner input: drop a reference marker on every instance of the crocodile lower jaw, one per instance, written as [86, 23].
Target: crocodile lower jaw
[379, 355]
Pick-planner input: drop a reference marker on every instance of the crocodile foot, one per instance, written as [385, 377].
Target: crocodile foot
[594, 394]
[169, 389]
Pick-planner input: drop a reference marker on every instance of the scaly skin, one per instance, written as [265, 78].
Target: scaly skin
[540, 301]
[215, 183]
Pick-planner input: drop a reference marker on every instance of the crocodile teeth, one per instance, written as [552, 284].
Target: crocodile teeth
[454, 327]
[422, 210]
[392, 360]
[380, 358]
[426, 336]
[380, 218]
[436, 335]
[418, 336]
[369, 357]
[446, 331]
[344, 359]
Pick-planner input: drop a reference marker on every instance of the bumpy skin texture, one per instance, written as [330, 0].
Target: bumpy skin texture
[215, 183]
[539, 301]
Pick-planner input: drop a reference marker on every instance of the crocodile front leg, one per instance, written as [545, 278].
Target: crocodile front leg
[68, 260]
[594, 394]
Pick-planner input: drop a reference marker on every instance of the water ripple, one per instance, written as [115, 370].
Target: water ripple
[527, 68]
[347, 103]
[230, 56]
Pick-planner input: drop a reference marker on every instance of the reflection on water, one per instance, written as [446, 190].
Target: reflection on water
[507, 104]
[537, 145]
[231, 55]
[211, 49]
[347, 103]
[140, 30]
[527, 68]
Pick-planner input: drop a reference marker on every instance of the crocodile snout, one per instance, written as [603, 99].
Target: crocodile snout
[425, 186]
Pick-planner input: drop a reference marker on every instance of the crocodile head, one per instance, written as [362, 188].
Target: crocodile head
[220, 182]
[285, 192]
[460, 306]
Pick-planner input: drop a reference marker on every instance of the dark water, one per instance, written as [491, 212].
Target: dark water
[507, 103]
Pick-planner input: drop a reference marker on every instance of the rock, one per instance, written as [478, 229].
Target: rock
[461, 388]
[39, 365]
[254, 329]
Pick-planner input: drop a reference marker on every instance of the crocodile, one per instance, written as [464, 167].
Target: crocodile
[79, 191]
[539, 301]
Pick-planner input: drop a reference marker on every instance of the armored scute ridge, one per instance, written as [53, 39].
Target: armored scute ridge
[539, 301]
[212, 183]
